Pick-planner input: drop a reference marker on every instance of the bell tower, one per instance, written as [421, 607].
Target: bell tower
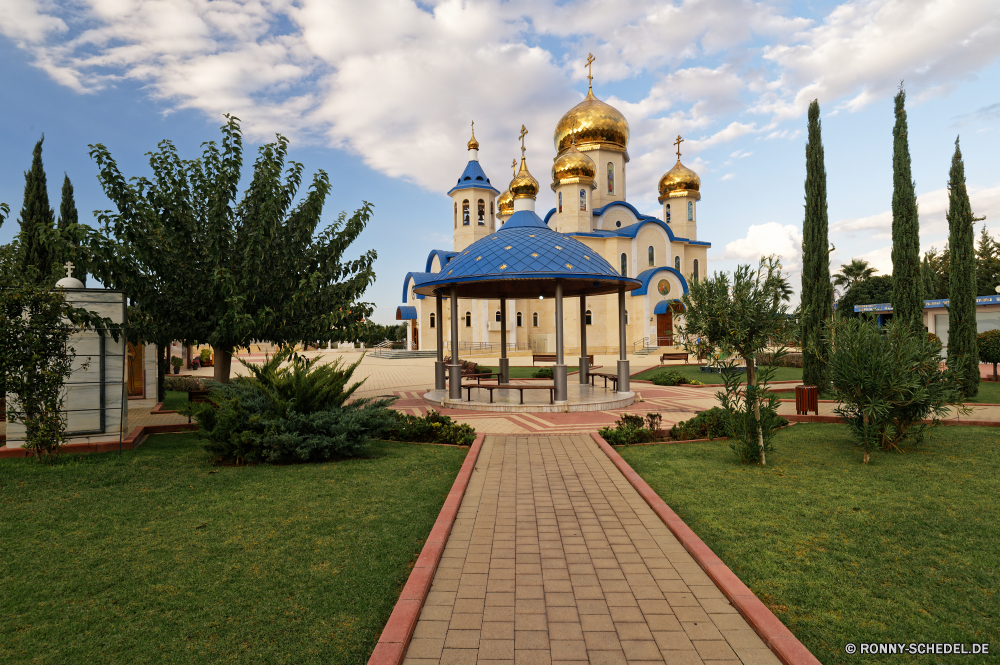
[473, 201]
[680, 191]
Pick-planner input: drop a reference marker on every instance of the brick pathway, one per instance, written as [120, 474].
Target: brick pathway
[554, 557]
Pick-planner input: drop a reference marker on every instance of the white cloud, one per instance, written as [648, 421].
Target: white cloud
[728, 176]
[764, 240]
[740, 154]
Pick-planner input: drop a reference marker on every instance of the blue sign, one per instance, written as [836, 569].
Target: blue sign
[928, 304]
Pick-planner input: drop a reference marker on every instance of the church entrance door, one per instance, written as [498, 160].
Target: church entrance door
[136, 376]
[664, 329]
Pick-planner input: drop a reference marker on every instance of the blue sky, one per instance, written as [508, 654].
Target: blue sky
[380, 95]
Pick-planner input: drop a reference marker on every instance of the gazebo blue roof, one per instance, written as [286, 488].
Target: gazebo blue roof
[473, 176]
[523, 259]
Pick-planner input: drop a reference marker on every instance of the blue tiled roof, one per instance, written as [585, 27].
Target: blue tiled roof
[631, 230]
[646, 276]
[525, 248]
[418, 279]
[473, 176]
[406, 313]
[443, 256]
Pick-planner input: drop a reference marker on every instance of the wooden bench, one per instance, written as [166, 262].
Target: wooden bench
[606, 376]
[510, 386]
[478, 377]
[551, 358]
[678, 355]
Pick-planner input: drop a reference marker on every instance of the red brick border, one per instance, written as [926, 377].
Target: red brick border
[774, 633]
[130, 442]
[395, 638]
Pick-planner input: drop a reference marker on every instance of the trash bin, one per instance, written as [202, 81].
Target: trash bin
[806, 400]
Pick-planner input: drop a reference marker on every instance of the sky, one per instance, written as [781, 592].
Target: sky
[380, 94]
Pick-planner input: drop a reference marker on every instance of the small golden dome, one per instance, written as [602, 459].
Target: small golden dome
[473, 143]
[524, 185]
[505, 204]
[592, 122]
[573, 164]
[679, 178]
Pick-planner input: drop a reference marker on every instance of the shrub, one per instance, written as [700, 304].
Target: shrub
[628, 430]
[669, 379]
[988, 344]
[709, 424]
[206, 355]
[788, 360]
[887, 381]
[184, 384]
[752, 410]
[542, 373]
[431, 428]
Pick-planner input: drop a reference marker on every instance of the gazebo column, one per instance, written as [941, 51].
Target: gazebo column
[559, 371]
[455, 368]
[504, 360]
[584, 362]
[623, 386]
[439, 380]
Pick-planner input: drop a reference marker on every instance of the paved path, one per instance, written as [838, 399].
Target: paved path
[554, 557]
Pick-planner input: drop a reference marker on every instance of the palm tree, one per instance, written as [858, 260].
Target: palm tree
[857, 270]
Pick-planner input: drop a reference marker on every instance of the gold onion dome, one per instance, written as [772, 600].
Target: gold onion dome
[592, 123]
[572, 165]
[524, 185]
[678, 179]
[505, 204]
[473, 143]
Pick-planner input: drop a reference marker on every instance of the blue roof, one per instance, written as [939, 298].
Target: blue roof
[646, 276]
[663, 306]
[406, 313]
[526, 249]
[473, 176]
[443, 256]
[418, 279]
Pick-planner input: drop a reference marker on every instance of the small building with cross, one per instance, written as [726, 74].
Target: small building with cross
[589, 204]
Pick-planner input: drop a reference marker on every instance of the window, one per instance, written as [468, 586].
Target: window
[498, 316]
[583, 199]
[465, 212]
[696, 270]
[534, 319]
[677, 263]
[518, 319]
[560, 201]
[667, 214]
[611, 178]
[690, 211]
[624, 265]
[432, 319]
[589, 319]
[626, 317]
[468, 319]
[652, 260]
[491, 213]
[481, 209]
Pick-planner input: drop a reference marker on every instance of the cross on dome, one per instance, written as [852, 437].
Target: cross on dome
[678, 144]
[590, 70]
[521, 136]
[69, 268]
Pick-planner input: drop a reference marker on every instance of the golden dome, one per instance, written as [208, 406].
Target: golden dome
[678, 179]
[524, 185]
[594, 123]
[473, 143]
[572, 165]
[505, 204]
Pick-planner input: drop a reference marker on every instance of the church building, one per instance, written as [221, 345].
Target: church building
[589, 189]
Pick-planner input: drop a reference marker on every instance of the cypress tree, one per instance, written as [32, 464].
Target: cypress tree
[69, 231]
[817, 291]
[907, 300]
[963, 356]
[987, 264]
[37, 255]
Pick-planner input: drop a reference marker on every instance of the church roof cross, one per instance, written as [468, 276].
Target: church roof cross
[69, 268]
[590, 70]
[521, 136]
[678, 144]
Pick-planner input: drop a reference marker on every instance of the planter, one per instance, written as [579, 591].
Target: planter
[177, 370]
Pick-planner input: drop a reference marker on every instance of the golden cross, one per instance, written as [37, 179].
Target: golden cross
[521, 136]
[590, 69]
[473, 127]
[513, 166]
[678, 144]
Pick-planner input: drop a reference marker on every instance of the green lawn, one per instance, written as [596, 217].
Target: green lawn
[518, 372]
[694, 373]
[159, 557]
[174, 400]
[989, 393]
[904, 549]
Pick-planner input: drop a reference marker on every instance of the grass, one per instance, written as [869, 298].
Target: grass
[174, 400]
[903, 549]
[989, 393]
[520, 372]
[161, 557]
[694, 373]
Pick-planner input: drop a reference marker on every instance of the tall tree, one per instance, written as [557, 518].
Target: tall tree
[963, 356]
[201, 264]
[907, 300]
[817, 291]
[71, 234]
[987, 264]
[37, 238]
[855, 271]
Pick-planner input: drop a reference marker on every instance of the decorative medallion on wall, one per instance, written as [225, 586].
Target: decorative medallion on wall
[663, 287]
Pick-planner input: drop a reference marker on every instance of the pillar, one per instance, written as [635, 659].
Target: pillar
[455, 368]
[504, 360]
[584, 362]
[623, 384]
[559, 371]
[439, 380]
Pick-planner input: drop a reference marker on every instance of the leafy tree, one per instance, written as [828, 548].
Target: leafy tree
[962, 354]
[817, 292]
[988, 345]
[856, 271]
[37, 238]
[907, 300]
[987, 264]
[872, 291]
[261, 271]
[744, 316]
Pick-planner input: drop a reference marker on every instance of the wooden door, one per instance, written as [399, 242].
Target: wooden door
[664, 329]
[136, 371]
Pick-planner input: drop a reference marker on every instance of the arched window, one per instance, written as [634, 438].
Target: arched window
[611, 178]
[432, 319]
[677, 263]
[534, 319]
[624, 265]
[498, 316]
[481, 212]
[583, 199]
[696, 270]
[667, 214]
[652, 261]
[465, 212]
[560, 201]
[626, 317]
[456, 214]
[589, 319]
[518, 319]
[690, 211]
[468, 319]
[491, 213]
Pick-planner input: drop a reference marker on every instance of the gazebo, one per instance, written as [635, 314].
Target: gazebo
[526, 259]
